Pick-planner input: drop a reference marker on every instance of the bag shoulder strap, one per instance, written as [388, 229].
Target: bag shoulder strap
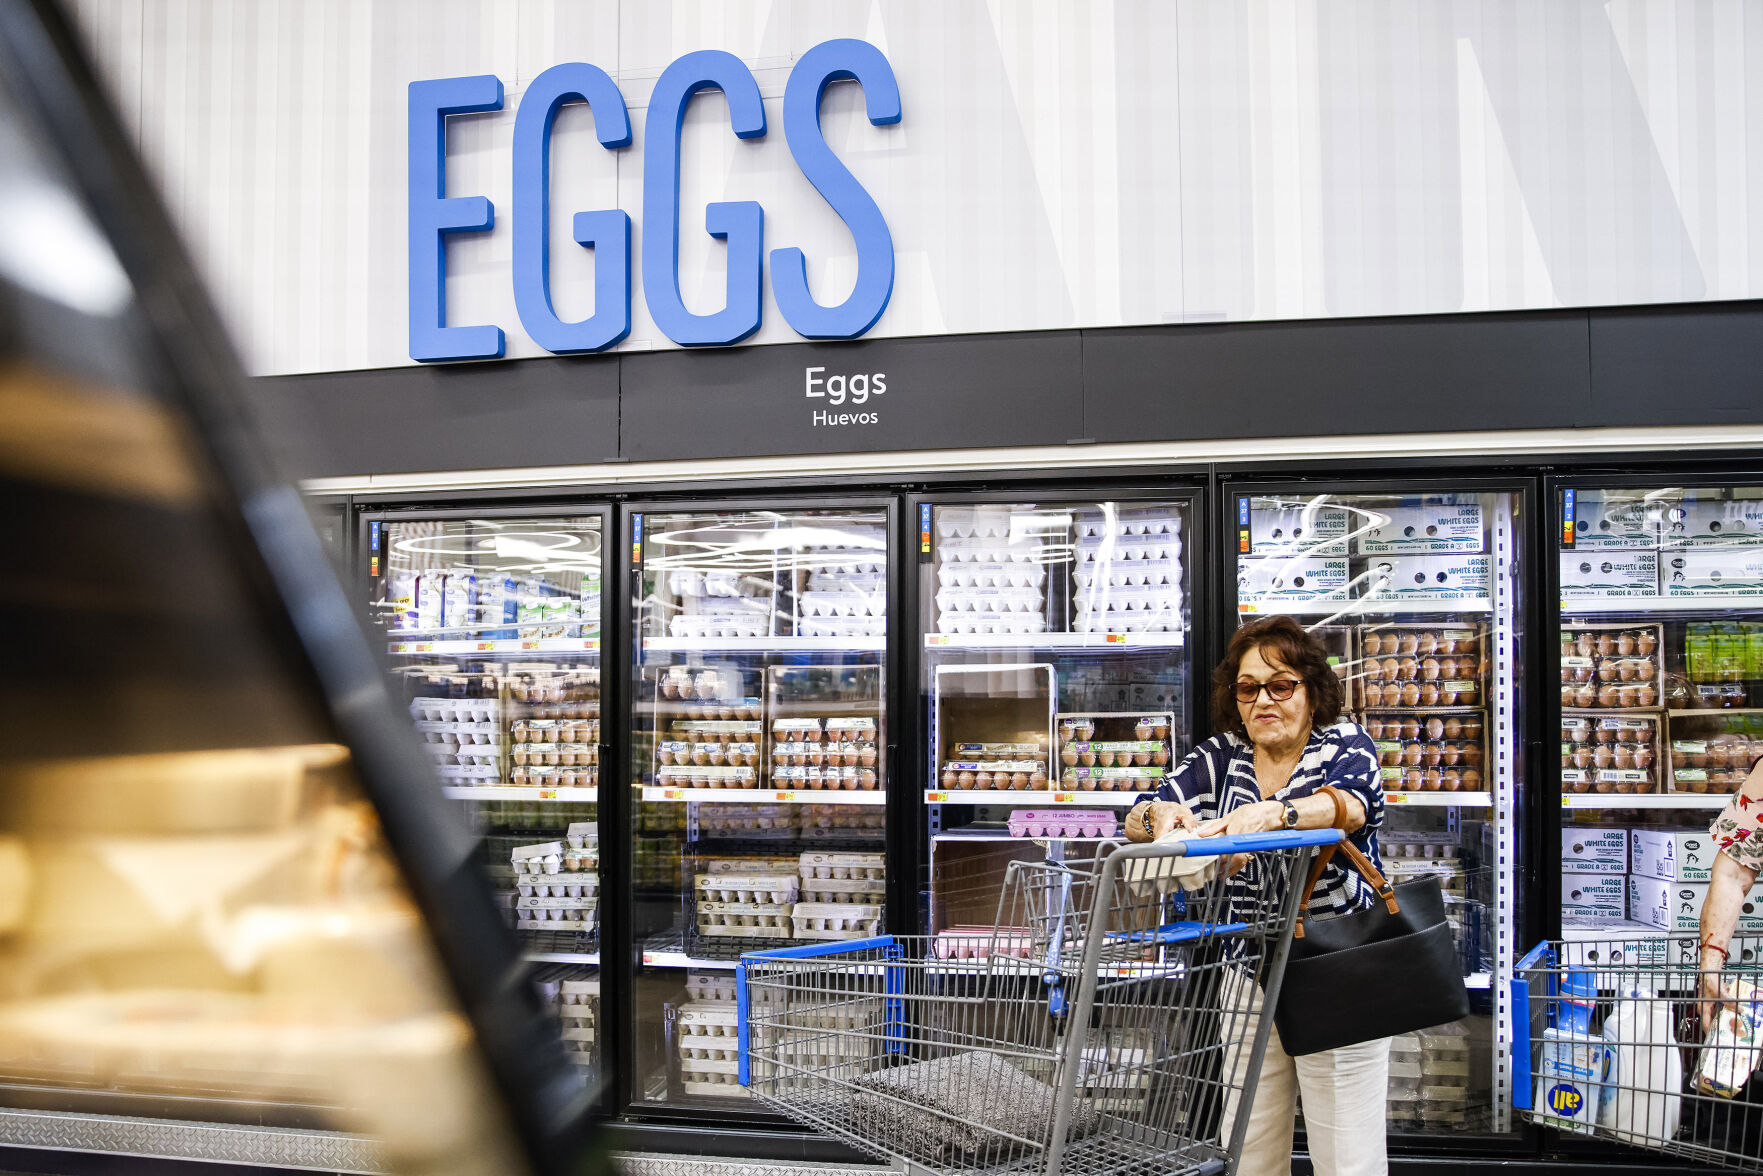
[1354, 855]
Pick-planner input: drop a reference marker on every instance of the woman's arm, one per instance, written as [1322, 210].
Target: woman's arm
[1738, 832]
[1188, 785]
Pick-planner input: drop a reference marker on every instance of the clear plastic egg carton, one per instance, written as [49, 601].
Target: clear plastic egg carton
[702, 685]
[693, 776]
[555, 731]
[526, 776]
[827, 779]
[861, 866]
[836, 920]
[757, 888]
[713, 753]
[720, 722]
[735, 820]
[1063, 823]
[456, 710]
[741, 920]
[553, 755]
[582, 884]
[826, 821]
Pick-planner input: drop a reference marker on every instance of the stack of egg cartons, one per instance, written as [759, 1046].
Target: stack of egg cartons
[707, 1035]
[463, 737]
[841, 895]
[989, 581]
[1403, 1105]
[1128, 572]
[1444, 1078]
[571, 993]
[745, 898]
[846, 594]
[558, 882]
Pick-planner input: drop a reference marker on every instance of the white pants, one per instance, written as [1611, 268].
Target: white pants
[1343, 1091]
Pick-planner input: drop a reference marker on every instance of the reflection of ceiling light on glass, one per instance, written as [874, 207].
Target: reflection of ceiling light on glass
[51, 247]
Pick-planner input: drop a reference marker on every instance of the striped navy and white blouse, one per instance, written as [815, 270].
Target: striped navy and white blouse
[1218, 777]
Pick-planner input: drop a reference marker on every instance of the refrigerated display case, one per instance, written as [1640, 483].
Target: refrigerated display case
[1415, 592]
[757, 761]
[1057, 681]
[1661, 697]
[492, 623]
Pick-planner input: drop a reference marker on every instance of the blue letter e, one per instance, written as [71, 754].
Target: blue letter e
[822, 65]
[740, 222]
[434, 215]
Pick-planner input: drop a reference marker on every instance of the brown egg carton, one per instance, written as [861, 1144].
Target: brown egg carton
[1612, 667]
[1703, 756]
[1422, 751]
[1611, 754]
[1418, 665]
[1398, 778]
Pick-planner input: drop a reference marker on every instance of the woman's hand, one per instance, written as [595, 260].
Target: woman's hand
[1717, 995]
[1262, 817]
[1165, 815]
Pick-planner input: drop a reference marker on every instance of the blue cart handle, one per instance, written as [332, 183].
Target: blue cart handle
[809, 951]
[1260, 842]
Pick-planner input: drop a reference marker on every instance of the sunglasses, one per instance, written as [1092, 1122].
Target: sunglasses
[1279, 689]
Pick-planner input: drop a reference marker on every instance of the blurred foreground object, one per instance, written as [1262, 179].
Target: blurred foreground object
[221, 859]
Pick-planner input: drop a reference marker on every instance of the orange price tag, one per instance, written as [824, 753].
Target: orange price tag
[1395, 798]
[1117, 638]
[786, 796]
[483, 645]
[547, 794]
[671, 794]
[1064, 797]
[529, 644]
[936, 797]
[426, 647]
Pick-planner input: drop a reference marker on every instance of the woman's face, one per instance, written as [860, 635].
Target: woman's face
[1271, 722]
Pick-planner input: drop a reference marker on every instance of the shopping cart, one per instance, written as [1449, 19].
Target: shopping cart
[1609, 1042]
[1102, 1026]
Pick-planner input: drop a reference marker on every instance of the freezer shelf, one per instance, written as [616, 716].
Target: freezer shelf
[760, 795]
[511, 792]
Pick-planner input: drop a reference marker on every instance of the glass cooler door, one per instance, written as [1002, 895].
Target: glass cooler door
[1057, 682]
[1661, 667]
[757, 762]
[1417, 599]
[493, 625]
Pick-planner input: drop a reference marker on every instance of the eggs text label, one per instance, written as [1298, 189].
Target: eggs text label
[836, 419]
[434, 216]
[859, 387]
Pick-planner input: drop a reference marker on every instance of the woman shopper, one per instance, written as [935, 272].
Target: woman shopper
[1737, 834]
[1276, 704]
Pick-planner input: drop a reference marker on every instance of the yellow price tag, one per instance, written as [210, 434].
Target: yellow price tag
[426, 647]
[547, 794]
[1116, 638]
[935, 797]
[1395, 798]
[786, 797]
[672, 794]
[485, 645]
[529, 644]
[1064, 797]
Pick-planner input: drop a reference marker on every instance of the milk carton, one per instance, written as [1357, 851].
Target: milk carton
[1570, 1075]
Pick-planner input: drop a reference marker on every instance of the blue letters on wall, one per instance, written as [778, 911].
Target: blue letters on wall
[740, 222]
[607, 232]
[822, 65]
[434, 216]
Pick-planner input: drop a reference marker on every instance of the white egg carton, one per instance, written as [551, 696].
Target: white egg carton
[846, 890]
[705, 985]
[576, 885]
[461, 732]
[746, 818]
[701, 626]
[583, 834]
[994, 601]
[478, 755]
[456, 710]
[989, 551]
[972, 623]
[1127, 523]
[585, 925]
[872, 866]
[835, 920]
[763, 889]
[483, 774]
[860, 728]
[555, 906]
[841, 604]
[1027, 576]
[842, 626]
[582, 994]
[1106, 551]
[1152, 573]
[1127, 600]
[744, 920]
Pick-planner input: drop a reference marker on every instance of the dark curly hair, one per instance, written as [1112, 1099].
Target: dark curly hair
[1285, 641]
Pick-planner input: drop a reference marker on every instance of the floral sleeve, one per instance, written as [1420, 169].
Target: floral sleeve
[1738, 830]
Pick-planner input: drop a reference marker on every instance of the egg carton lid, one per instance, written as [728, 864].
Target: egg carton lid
[538, 849]
[528, 902]
[745, 908]
[580, 987]
[746, 881]
[796, 724]
[710, 771]
[556, 924]
[721, 726]
[584, 829]
[827, 858]
[1129, 746]
[995, 766]
[750, 865]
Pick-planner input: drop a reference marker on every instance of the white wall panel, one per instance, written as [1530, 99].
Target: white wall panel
[1061, 163]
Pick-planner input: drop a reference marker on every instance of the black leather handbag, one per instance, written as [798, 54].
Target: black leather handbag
[1390, 968]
